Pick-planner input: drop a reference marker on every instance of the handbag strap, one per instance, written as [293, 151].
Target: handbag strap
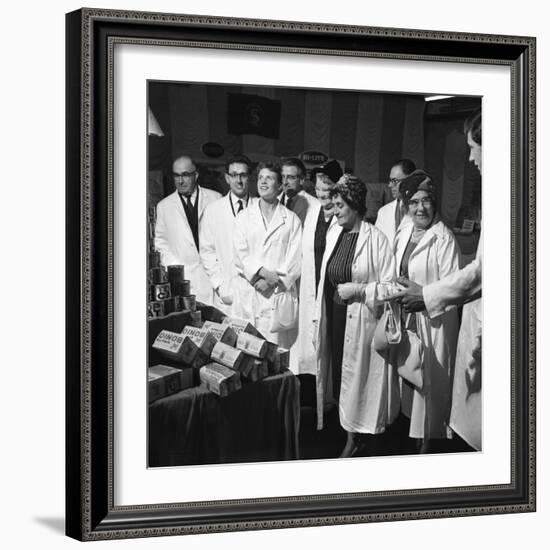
[408, 321]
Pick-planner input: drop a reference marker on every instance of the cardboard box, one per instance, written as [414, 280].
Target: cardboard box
[219, 379]
[199, 343]
[172, 345]
[241, 325]
[222, 333]
[227, 356]
[257, 347]
[164, 380]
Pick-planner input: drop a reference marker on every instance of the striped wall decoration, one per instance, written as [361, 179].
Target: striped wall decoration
[366, 131]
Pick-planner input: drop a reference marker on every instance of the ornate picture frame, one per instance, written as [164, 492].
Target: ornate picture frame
[91, 509]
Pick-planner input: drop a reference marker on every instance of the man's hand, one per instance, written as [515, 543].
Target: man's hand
[264, 288]
[271, 277]
[410, 296]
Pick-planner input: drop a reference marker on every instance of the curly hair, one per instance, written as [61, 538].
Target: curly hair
[353, 192]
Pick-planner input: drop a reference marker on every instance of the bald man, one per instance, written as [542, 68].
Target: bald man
[179, 216]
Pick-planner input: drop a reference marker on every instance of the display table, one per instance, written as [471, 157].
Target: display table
[260, 422]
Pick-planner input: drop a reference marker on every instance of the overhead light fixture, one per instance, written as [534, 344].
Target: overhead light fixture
[436, 97]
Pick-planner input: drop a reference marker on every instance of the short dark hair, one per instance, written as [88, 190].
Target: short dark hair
[273, 166]
[473, 125]
[407, 165]
[238, 159]
[293, 161]
[353, 192]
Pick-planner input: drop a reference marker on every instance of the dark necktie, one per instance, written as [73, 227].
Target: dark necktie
[192, 219]
[239, 205]
[288, 202]
[398, 215]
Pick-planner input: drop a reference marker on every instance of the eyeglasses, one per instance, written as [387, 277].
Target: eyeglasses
[394, 181]
[289, 177]
[426, 201]
[239, 175]
[184, 175]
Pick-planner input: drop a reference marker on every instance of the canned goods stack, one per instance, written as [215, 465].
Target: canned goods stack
[169, 291]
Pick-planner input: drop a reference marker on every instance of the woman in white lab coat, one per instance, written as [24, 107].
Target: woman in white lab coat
[357, 257]
[426, 251]
[319, 219]
[267, 242]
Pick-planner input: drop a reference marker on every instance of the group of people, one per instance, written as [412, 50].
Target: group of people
[313, 276]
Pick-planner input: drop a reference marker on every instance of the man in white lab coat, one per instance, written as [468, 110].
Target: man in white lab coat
[389, 217]
[267, 241]
[294, 197]
[179, 217]
[216, 234]
[461, 287]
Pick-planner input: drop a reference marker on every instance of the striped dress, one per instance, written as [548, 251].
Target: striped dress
[338, 271]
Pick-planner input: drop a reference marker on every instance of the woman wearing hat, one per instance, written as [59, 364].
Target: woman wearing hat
[357, 257]
[426, 251]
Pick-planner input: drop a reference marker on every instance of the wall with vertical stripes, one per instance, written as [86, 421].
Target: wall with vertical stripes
[366, 131]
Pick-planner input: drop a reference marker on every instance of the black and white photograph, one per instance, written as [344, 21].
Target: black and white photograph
[292, 247]
[314, 261]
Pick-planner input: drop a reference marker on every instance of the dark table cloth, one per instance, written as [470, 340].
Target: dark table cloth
[260, 422]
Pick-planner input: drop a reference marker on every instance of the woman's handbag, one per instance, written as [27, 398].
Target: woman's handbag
[388, 329]
[409, 357]
[284, 314]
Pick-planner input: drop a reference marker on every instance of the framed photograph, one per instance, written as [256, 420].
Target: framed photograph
[211, 385]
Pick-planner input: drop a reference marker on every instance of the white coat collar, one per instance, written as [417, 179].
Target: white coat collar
[434, 232]
[279, 218]
[363, 238]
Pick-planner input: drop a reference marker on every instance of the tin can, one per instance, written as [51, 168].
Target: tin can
[190, 302]
[183, 288]
[196, 319]
[170, 305]
[158, 275]
[155, 309]
[162, 291]
[176, 273]
[154, 259]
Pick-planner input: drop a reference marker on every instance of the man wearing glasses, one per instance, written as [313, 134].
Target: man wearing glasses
[179, 217]
[216, 234]
[294, 197]
[389, 217]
